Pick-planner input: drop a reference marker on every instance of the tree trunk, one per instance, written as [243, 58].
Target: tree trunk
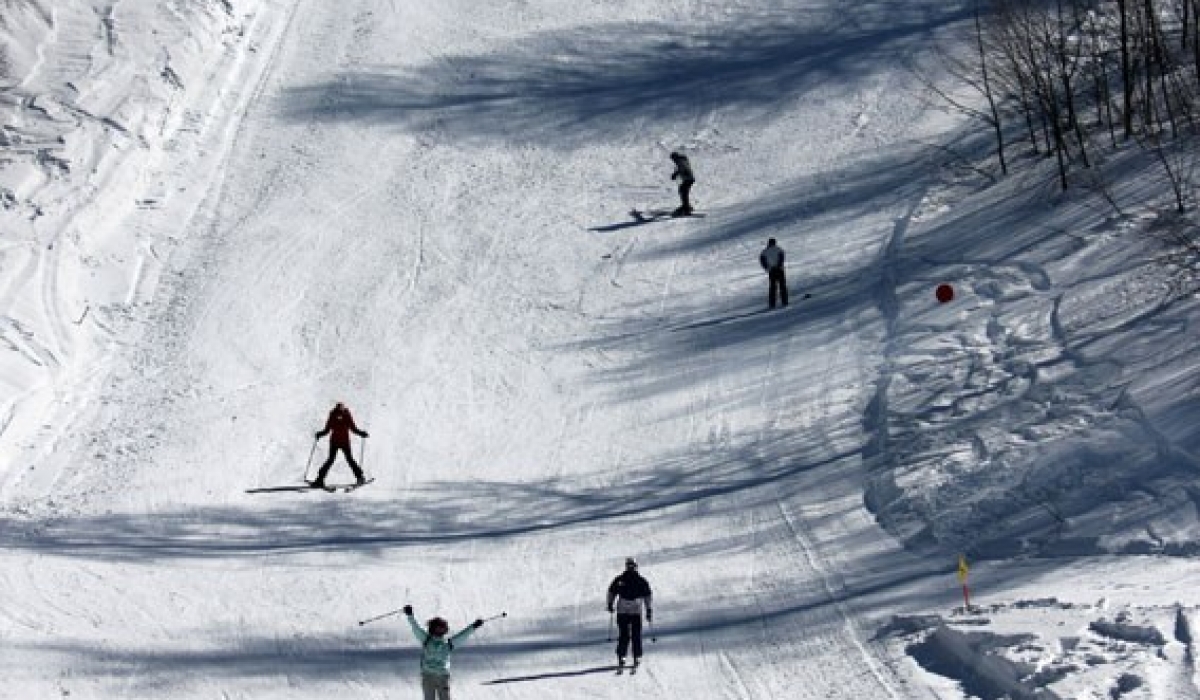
[1127, 82]
[997, 123]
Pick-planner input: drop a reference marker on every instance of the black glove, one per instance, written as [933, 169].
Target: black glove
[408, 610]
[317, 435]
[649, 616]
[610, 608]
[477, 624]
[366, 434]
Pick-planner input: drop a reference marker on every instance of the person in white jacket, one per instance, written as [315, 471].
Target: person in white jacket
[771, 260]
[435, 652]
[631, 594]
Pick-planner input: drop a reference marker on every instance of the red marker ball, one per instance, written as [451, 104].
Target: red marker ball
[944, 293]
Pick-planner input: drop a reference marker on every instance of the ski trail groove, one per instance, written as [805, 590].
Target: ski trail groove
[834, 594]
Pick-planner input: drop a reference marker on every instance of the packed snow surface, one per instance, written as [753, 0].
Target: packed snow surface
[219, 218]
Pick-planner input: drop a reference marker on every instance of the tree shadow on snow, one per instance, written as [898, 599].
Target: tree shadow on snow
[440, 514]
[568, 88]
[373, 656]
[1119, 471]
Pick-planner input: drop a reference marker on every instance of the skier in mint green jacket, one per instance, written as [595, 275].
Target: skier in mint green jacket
[435, 652]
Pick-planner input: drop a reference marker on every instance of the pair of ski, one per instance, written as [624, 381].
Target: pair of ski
[308, 486]
[340, 488]
[621, 667]
[645, 216]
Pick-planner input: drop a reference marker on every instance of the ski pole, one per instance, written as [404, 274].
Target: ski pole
[308, 464]
[610, 625]
[653, 634]
[495, 617]
[380, 617]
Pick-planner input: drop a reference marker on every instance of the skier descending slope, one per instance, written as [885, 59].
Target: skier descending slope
[631, 593]
[338, 426]
[435, 652]
[683, 173]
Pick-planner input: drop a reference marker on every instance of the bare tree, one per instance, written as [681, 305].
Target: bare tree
[976, 74]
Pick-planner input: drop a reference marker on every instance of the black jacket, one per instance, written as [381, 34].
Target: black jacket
[631, 592]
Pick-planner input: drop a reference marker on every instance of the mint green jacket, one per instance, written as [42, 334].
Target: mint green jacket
[435, 651]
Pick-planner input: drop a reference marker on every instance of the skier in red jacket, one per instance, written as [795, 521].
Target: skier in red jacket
[338, 426]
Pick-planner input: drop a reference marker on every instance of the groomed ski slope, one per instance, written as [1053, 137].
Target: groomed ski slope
[422, 209]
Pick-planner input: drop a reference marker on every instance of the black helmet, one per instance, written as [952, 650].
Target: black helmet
[675, 155]
[630, 563]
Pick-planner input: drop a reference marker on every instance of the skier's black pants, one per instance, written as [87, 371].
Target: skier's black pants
[333, 450]
[685, 191]
[777, 282]
[629, 627]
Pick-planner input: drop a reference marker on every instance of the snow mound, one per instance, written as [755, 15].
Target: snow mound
[1032, 648]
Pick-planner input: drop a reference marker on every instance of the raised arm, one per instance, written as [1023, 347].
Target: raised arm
[462, 634]
[418, 631]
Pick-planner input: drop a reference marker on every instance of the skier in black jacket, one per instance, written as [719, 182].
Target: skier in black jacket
[631, 593]
[683, 172]
[771, 260]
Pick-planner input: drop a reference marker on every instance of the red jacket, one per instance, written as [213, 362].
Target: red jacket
[339, 425]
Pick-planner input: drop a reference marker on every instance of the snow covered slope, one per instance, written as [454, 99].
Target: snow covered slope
[103, 109]
[423, 209]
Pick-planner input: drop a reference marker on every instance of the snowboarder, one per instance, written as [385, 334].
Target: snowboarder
[435, 652]
[771, 260]
[338, 426]
[631, 593]
[683, 173]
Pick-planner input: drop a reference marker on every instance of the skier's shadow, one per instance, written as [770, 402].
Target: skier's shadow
[281, 489]
[639, 218]
[547, 676]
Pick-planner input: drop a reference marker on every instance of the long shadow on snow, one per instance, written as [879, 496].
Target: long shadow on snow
[446, 513]
[568, 88]
[593, 670]
[877, 585]
[682, 630]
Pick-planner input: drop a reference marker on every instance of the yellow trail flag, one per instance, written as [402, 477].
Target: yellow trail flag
[963, 569]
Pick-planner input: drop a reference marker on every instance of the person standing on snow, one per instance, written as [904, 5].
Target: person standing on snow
[338, 426]
[435, 652]
[683, 173]
[631, 593]
[771, 260]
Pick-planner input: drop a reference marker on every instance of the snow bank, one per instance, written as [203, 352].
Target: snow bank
[966, 656]
[1045, 648]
